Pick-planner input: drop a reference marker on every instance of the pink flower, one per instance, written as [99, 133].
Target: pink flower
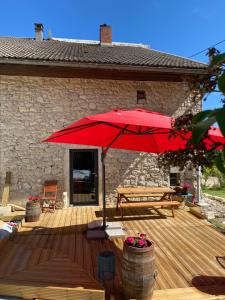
[187, 185]
[130, 240]
[142, 236]
[138, 242]
[34, 198]
[141, 243]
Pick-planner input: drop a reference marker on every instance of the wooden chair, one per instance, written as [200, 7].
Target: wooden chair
[48, 200]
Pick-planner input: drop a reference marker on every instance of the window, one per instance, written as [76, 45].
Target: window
[174, 179]
[141, 97]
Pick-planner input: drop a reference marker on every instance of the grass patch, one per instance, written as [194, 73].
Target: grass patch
[219, 192]
[217, 223]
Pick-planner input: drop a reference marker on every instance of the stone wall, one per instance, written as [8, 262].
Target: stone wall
[34, 107]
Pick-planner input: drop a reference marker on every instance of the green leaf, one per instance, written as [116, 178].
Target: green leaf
[220, 118]
[219, 162]
[221, 83]
[200, 129]
[218, 59]
[223, 152]
[201, 116]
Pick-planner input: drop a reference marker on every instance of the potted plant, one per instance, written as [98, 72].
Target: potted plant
[33, 209]
[138, 267]
[186, 186]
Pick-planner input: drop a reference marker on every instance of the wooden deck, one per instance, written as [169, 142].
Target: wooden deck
[52, 259]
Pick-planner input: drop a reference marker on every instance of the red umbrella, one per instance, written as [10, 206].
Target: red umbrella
[123, 129]
[138, 129]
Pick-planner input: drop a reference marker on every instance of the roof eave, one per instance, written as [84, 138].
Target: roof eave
[175, 70]
[15, 67]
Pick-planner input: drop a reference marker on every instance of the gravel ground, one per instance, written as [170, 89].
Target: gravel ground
[215, 212]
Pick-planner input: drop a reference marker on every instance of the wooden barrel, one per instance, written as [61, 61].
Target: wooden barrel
[33, 211]
[138, 272]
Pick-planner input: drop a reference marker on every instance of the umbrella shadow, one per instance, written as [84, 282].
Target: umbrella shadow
[211, 285]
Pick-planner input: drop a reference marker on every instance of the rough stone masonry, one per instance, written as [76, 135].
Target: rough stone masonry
[31, 108]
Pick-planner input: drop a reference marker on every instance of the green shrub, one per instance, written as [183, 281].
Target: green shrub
[207, 172]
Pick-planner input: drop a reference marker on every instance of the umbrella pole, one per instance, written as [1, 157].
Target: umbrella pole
[103, 189]
[103, 155]
[198, 184]
[200, 200]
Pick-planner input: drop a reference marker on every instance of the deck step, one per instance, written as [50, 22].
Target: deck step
[191, 293]
[197, 212]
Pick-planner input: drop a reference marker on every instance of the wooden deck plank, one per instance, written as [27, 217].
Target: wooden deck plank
[34, 258]
[58, 240]
[173, 244]
[211, 293]
[201, 247]
[34, 235]
[188, 261]
[54, 232]
[162, 281]
[72, 243]
[201, 242]
[66, 234]
[7, 259]
[164, 265]
[87, 263]
[43, 232]
[49, 292]
[46, 252]
[166, 237]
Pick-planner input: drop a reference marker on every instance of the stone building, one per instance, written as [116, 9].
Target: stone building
[46, 84]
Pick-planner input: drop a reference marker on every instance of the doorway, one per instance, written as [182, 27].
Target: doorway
[84, 177]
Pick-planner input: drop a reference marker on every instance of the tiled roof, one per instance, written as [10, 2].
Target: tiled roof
[61, 51]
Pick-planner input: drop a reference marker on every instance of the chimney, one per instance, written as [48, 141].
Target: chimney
[49, 34]
[38, 31]
[105, 34]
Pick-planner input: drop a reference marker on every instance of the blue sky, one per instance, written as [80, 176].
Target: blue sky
[175, 26]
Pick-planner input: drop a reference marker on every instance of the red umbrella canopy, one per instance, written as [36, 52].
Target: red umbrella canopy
[138, 129]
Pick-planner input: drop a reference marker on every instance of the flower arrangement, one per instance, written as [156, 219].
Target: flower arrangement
[34, 198]
[138, 242]
[185, 187]
[33, 209]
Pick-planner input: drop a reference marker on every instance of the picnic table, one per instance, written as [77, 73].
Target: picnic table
[162, 196]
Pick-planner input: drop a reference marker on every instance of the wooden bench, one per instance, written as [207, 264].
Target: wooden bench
[164, 193]
[145, 195]
[148, 204]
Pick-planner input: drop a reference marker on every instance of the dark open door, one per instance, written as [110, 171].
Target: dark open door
[83, 177]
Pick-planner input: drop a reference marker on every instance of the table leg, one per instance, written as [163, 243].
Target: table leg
[118, 200]
[121, 212]
[163, 198]
[173, 214]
